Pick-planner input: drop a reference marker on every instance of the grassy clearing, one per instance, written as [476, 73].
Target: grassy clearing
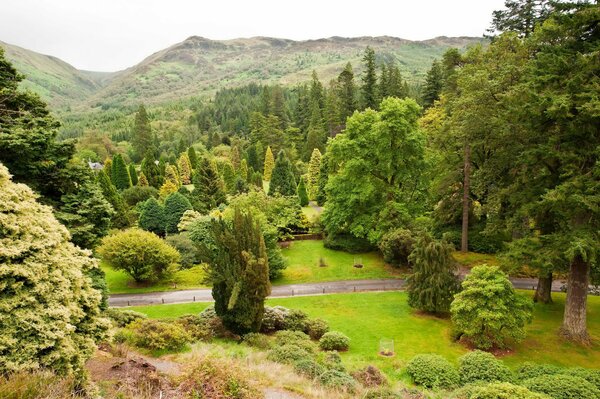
[368, 317]
[120, 282]
[472, 259]
[303, 259]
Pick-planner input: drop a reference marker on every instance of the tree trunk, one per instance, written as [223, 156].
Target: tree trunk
[574, 327]
[464, 243]
[543, 292]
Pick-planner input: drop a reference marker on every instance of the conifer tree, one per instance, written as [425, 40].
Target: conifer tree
[51, 312]
[433, 283]
[167, 188]
[282, 179]
[152, 217]
[257, 180]
[119, 173]
[243, 172]
[269, 164]
[278, 106]
[184, 165]
[253, 158]
[323, 178]
[108, 167]
[235, 157]
[133, 175]
[302, 193]
[151, 170]
[434, 82]
[347, 93]
[142, 181]
[121, 217]
[172, 176]
[229, 177]
[209, 189]
[316, 135]
[239, 272]
[333, 120]
[142, 136]
[314, 167]
[193, 157]
[369, 79]
[175, 206]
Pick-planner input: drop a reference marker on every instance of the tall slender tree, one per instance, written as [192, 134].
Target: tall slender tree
[269, 164]
[133, 174]
[209, 190]
[347, 93]
[369, 80]
[282, 181]
[314, 168]
[141, 138]
[119, 173]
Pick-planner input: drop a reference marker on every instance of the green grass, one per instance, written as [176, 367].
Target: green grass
[472, 259]
[120, 282]
[303, 264]
[368, 317]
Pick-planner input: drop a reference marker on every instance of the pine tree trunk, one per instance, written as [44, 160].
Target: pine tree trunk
[543, 292]
[464, 243]
[574, 325]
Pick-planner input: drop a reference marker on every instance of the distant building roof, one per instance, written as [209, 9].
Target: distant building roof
[95, 165]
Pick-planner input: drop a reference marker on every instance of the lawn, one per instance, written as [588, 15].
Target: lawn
[120, 282]
[368, 317]
[303, 259]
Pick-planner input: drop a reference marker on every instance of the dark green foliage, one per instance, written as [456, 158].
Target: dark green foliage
[316, 328]
[531, 370]
[302, 194]
[295, 320]
[141, 135]
[309, 368]
[369, 80]
[433, 284]
[98, 278]
[337, 380]
[175, 206]
[189, 252]
[122, 318]
[193, 157]
[496, 390]
[119, 175]
[197, 327]
[432, 371]
[136, 194]
[159, 335]
[209, 190]
[323, 178]
[396, 246]
[334, 341]
[151, 170]
[520, 16]
[132, 174]
[239, 272]
[478, 366]
[562, 387]
[253, 159]
[347, 93]
[257, 340]
[289, 354]
[152, 217]
[434, 82]
[283, 181]
[87, 215]
[296, 338]
[488, 311]
[348, 243]
[120, 218]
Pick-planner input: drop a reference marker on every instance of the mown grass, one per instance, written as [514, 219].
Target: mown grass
[120, 282]
[369, 317]
[303, 264]
[472, 259]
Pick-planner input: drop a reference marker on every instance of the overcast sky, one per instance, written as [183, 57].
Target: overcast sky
[108, 35]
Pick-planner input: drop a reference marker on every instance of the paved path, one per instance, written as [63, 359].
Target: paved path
[280, 291]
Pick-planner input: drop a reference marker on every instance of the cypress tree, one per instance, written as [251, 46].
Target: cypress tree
[323, 178]
[301, 192]
[152, 217]
[172, 176]
[151, 171]
[432, 285]
[142, 181]
[257, 179]
[119, 173]
[133, 175]
[229, 176]
[243, 172]
[269, 163]
[142, 136]
[121, 218]
[184, 165]
[239, 272]
[434, 81]
[108, 167]
[253, 159]
[369, 79]
[175, 206]
[314, 167]
[278, 106]
[167, 188]
[282, 179]
[209, 189]
[316, 135]
[235, 157]
[347, 93]
[193, 157]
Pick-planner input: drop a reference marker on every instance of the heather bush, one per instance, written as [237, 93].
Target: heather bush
[562, 387]
[432, 371]
[496, 390]
[316, 328]
[288, 354]
[297, 338]
[159, 335]
[370, 377]
[122, 318]
[478, 366]
[197, 327]
[309, 368]
[338, 380]
[257, 340]
[335, 341]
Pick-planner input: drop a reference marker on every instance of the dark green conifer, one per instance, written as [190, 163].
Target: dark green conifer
[302, 193]
[119, 173]
[142, 136]
[369, 79]
[282, 180]
[152, 217]
[133, 174]
[175, 205]
[209, 189]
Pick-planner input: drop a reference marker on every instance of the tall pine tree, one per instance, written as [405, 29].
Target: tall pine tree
[119, 173]
[369, 79]
[141, 139]
[269, 164]
[209, 190]
[282, 181]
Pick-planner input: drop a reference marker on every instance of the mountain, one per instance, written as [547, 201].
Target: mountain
[57, 82]
[199, 66]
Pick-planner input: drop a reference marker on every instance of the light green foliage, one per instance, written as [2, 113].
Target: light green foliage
[301, 192]
[334, 341]
[379, 180]
[338, 380]
[308, 368]
[141, 254]
[488, 311]
[193, 157]
[563, 387]
[229, 176]
[432, 371]
[396, 246]
[209, 189]
[433, 283]
[314, 168]
[152, 217]
[316, 328]
[497, 390]
[184, 165]
[269, 164]
[478, 366]
[257, 340]
[132, 174]
[188, 250]
[175, 206]
[282, 179]
[159, 335]
[50, 313]
[288, 354]
[122, 318]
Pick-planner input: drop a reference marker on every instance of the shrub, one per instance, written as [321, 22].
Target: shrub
[338, 380]
[158, 335]
[332, 361]
[123, 335]
[562, 387]
[274, 319]
[143, 255]
[297, 338]
[384, 393]
[188, 251]
[35, 385]
[316, 328]
[136, 194]
[370, 376]
[175, 206]
[348, 243]
[334, 341]
[122, 318]
[213, 321]
[432, 371]
[530, 370]
[152, 216]
[396, 246]
[590, 375]
[288, 354]
[488, 311]
[196, 326]
[478, 366]
[295, 320]
[309, 368]
[496, 390]
[257, 340]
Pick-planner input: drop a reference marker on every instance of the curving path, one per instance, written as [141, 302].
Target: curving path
[281, 291]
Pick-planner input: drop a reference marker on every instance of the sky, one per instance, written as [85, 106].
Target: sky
[110, 35]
